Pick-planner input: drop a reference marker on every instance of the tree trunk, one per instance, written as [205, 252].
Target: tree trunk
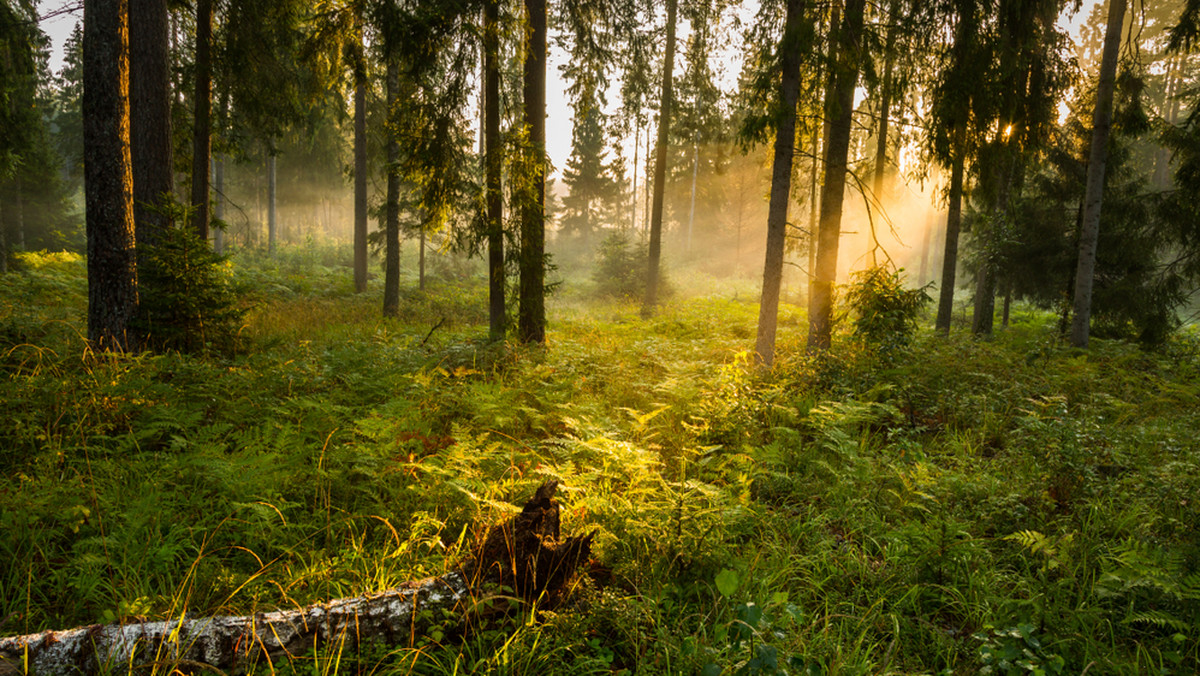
[219, 204]
[19, 209]
[885, 104]
[360, 184]
[421, 260]
[781, 183]
[150, 119]
[531, 320]
[494, 161]
[840, 111]
[637, 146]
[692, 204]
[926, 245]
[108, 177]
[272, 212]
[391, 264]
[660, 165]
[1094, 194]
[953, 225]
[202, 119]
[525, 555]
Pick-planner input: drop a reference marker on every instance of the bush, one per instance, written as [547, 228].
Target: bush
[621, 268]
[188, 302]
[885, 313]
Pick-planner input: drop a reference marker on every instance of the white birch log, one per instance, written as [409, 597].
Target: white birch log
[523, 553]
[229, 642]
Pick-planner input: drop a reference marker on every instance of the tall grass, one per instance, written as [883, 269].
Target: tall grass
[1010, 505]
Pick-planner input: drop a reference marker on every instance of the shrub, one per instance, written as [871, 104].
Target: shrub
[188, 302]
[621, 268]
[885, 313]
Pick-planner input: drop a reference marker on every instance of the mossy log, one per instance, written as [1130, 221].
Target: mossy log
[523, 554]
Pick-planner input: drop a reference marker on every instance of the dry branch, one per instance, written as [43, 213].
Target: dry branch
[523, 553]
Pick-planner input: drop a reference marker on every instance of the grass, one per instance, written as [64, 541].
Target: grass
[1003, 506]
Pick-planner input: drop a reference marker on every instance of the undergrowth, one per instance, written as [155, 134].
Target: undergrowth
[1007, 506]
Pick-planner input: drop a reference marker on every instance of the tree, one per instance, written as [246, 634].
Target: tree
[391, 265]
[108, 180]
[839, 110]
[1093, 199]
[660, 165]
[790, 46]
[202, 118]
[360, 161]
[150, 118]
[531, 317]
[493, 167]
[952, 126]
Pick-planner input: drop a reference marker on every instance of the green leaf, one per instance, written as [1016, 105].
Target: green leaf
[727, 582]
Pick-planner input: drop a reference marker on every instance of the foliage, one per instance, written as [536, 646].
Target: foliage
[976, 505]
[188, 301]
[885, 313]
[621, 271]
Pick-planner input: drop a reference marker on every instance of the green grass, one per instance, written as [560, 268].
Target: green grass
[1007, 505]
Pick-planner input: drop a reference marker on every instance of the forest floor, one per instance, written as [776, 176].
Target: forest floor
[1003, 506]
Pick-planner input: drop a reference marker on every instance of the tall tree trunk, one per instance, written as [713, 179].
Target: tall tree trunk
[820, 150]
[360, 183]
[219, 203]
[1170, 106]
[840, 111]
[107, 175]
[695, 176]
[391, 256]
[926, 245]
[19, 208]
[421, 260]
[202, 119]
[885, 103]
[646, 188]
[660, 165]
[494, 161]
[531, 320]
[1094, 194]
[637, 146]
[781, 183]
[272, 211]
[953, 226]
[150, 118]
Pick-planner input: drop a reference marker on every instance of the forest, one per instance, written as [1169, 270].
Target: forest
[599, 337]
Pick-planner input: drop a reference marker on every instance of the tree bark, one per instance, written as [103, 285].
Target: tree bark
[150, 118]
[202, 118]
[781, 183]
[108, 177]
[360, 184]
[885, 103]
[525, 554]
[1094, 195]
[219, 203]
[391, 262]
[494, 160]
[953, 226]
[840, 112]
[531, 319]
[272, 211]
[660, 165]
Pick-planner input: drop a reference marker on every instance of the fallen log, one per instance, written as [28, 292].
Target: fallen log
[524, 554]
